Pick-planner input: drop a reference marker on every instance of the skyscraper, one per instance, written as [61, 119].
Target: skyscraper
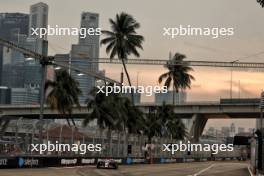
[90, 20]
[22, 76]
[86, 49]
[12, 25]
[233, 130]
[179, 97]
[38, 17]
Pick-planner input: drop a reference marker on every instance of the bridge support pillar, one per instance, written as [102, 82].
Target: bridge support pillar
[196, 128]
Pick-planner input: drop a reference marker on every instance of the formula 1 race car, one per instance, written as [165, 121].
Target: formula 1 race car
[107, 164]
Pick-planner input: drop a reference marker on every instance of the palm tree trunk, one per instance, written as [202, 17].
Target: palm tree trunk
[110, 142]
[68, 122]
[150, 150]
[102, 139]
[173, 95]
[118, 143]
[47, 130]
[141, 145]
[126, 141]
[61, 128]
[73, 122]
[32, 138]
[128, 79]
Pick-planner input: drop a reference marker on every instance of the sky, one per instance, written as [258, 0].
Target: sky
[211, 84]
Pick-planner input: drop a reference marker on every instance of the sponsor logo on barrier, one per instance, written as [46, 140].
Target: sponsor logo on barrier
[88, 161]
[134, 160]
[119, 161]
[27, 162]
[138, 160]
[203, 159]
[3, 162]
[129, 160]
[163, 160]
[68, 161]
[189, 160]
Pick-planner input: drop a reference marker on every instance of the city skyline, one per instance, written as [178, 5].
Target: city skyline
[207, 87]
[95, 87]
[195, 48]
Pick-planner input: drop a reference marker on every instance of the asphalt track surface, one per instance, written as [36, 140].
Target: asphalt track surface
[177, 169]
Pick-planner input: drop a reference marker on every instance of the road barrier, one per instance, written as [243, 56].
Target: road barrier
[55, 161]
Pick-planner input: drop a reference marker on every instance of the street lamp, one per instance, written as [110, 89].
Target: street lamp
[231, 79]
[29, 59]
[80, 74]
[260, 142]
[44, 61]
[57, 68]
[137, 77]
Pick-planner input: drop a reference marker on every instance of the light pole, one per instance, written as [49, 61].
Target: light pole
[239, 89]
[42, 100]
[260, 151]
[137, 77]
[17, 129]
[33, 134]
[231, 79]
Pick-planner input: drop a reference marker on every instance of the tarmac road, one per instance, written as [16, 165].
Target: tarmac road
[177, 169]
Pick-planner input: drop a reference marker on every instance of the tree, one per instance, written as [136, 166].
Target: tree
[107, 111]
[64, 94]
[153, 126]
[261, 2]
[178, 73]
[133, 121]
[176, 128]
[172, 125]
[123, 40]
[162, 122]
[113, 112]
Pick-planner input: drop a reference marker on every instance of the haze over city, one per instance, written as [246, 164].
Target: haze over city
[211, 84]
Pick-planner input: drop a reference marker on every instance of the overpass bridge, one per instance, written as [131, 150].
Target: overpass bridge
[197, 112]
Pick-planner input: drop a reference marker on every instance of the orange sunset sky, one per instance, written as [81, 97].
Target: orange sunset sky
[246, 17]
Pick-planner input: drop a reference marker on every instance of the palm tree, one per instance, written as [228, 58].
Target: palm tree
[162, 122]
[152, 128]
[261, 2]
[123, 40]
[133, 121]
[172, 125]
[113, 112]
[107, 111]
[178, 73]
[177, 129]
[64, 94]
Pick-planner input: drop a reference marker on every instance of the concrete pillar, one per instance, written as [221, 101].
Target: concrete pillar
[196, 128]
